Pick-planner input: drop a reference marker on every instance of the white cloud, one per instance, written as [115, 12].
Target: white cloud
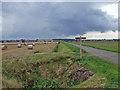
[98, 35]
[105, 35]
[111, 9]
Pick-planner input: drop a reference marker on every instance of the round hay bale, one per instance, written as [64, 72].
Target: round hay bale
[25, 44]
[3, 47]
[33, 44]
[30, 46]
[19, 45]
[45, 42]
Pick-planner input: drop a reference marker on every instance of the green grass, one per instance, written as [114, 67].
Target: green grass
[104, 45]
[51, 70]
[102, 69]
[64, 47]
[56, 48]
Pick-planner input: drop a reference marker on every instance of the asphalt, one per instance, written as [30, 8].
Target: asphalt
[106, 55]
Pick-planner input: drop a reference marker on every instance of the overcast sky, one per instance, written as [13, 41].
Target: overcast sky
[32, 20]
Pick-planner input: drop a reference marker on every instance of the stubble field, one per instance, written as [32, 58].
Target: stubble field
[13, 51]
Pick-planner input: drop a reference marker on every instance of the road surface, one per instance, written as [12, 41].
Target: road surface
[106, 55]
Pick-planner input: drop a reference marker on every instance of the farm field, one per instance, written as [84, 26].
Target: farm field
[13, 50]
[104, 45]
[57, 66]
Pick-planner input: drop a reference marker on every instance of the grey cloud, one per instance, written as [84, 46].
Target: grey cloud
[51, 20]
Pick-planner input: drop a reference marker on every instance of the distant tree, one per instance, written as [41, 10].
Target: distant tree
[36, 40]
[2, 41]
[23, 41]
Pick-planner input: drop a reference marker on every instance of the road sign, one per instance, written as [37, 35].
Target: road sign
[80, 37]
[80, 44]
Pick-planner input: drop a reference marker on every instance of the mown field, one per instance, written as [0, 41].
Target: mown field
[58, 68]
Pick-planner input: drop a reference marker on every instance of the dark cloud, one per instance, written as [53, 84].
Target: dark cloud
[51, 20]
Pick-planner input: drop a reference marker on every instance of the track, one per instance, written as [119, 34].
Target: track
[106, 55]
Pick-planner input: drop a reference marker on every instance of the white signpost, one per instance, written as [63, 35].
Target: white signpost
[80, 44]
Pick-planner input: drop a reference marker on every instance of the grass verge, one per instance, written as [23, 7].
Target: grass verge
[102, 68]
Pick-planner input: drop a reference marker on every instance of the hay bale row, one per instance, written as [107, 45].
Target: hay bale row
[3, 47]
[29, 46]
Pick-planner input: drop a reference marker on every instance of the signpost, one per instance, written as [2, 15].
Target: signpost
[80, 44]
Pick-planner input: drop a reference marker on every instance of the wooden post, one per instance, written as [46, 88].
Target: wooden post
[80, 44]
[80, 47]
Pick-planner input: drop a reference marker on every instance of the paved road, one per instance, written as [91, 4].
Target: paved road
[106, 55]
